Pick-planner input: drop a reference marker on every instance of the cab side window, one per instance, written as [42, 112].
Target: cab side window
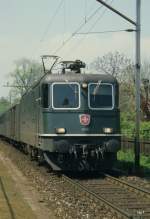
[45, 102]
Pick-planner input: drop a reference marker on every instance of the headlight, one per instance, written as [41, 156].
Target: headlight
[60, 130]
[84, 85]
[108, 130]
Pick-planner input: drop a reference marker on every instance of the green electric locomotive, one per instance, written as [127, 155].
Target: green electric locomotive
[69, 119]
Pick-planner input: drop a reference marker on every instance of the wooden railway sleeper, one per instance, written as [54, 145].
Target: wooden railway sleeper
[119, 212]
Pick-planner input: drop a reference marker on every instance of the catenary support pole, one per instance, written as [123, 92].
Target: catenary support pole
[137, 76]
[137, 82]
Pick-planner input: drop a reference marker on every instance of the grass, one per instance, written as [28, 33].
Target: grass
[126, 161]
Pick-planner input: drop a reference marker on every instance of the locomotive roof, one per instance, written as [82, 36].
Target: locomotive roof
[73, 77]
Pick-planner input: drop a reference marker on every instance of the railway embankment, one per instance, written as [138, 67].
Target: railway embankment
[18, 197]
[62, 199]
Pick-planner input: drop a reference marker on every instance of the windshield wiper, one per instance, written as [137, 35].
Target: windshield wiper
[96, 88]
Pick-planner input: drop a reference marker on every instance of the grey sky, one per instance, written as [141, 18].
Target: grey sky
[24, 31]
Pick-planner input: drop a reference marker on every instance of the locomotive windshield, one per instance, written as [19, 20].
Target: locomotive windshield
[100, 96]
[65, 96]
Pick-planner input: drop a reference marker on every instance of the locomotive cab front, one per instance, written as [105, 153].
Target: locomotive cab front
[81, 119]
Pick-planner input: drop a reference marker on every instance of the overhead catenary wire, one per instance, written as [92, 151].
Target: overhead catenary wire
[78, 29]
[47, 27]
[85, 16]
[64, 20]
[72, 35]
[51, 20]
[90, 29]
[97, 32]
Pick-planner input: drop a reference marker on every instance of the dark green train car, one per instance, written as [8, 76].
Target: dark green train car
[71, 120]
[80, 123]
[9, 123]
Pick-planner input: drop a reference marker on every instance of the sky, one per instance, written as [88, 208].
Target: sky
[32, 28]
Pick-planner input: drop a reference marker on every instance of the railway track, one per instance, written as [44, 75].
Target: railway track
[123, 199]
[98, 197]
[143, 183]
[6, 198]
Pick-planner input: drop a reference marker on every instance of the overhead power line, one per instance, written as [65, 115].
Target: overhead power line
[85, 10]
[51, 20]
[78, 29]
[90, 29]
[64, 14]
[47, 28]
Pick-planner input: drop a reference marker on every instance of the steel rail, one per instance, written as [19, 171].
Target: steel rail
[114, 209]
[135, 188]
[7, 199]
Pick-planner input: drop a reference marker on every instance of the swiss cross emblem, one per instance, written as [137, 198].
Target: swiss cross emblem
[85, 119]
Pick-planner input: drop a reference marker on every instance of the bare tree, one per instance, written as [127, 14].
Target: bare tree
[115, 64]
[122, 68]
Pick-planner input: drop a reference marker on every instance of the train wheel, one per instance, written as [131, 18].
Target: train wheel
[30, 152]
[25, 149]
[41, 159]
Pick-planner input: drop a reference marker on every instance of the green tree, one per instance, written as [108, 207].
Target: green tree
[145, 90]
[4, 104]
[25, 74]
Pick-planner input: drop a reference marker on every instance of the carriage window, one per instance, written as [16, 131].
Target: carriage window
[45, 95]
[100, 96]
[66, 96]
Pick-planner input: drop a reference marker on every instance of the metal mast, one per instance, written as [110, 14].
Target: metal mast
[137, 78]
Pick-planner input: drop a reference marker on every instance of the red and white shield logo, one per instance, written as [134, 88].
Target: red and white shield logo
[85, 119]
